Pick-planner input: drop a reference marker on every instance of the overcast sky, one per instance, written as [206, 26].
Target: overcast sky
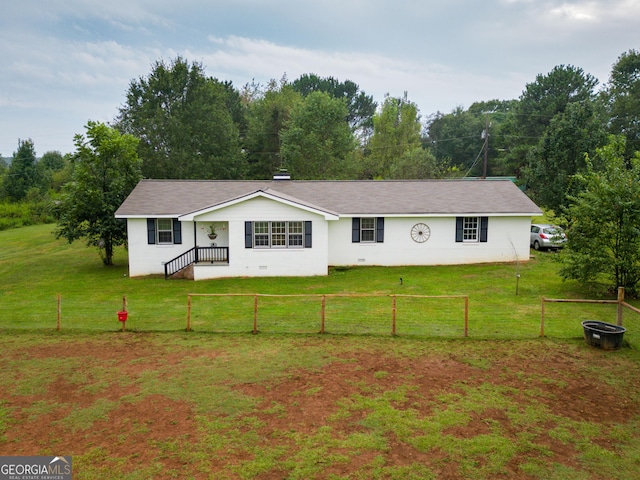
[64, 62]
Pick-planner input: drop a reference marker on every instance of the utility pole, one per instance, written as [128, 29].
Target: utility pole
[486, 145]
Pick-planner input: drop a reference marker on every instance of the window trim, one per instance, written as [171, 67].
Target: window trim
[167, 230]
[357, 229]
[153, 232]
[295, 235]
[470, 230]
[481, 229]
[370, 229]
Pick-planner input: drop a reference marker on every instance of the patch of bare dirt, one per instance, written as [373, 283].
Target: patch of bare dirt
[139, 429]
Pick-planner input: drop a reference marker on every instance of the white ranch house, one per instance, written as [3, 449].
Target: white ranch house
[285, 227]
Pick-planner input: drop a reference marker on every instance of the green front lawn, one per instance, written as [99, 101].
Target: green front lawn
[35, 268]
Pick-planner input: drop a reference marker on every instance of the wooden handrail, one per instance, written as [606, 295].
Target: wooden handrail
[195, 255]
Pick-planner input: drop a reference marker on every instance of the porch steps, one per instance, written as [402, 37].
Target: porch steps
[185, 273]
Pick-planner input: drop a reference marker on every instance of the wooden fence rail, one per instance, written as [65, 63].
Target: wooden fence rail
[393, 310]
[323, 303]
[619, 302]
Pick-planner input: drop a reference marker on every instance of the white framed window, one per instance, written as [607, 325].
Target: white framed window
[295, 234]
[367, 229]
[261, 234]
[470, 229]
[278, 234]
[164, 231]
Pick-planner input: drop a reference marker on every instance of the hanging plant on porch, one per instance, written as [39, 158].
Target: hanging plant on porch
[212, 232]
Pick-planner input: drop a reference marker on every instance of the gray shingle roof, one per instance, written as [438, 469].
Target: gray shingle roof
[389, 197]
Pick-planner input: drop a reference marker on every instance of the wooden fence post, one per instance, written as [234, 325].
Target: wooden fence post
[59, 312]
[466, 316]
[620, 304]
[188, 313]
[255, 314]
[393, 316]
[542, 320]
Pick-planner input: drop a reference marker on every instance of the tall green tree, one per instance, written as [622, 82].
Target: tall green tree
[496, 116]
[3, 177]
[549, 95]
[396, 131]
[318, 143]
[185, 123]
[50, 171]
[458, 137]
[540, 101]
[52, 160]
[561, 154]
[269, 113]
[22, 175]
[360, 107]
[420, 163]
[604, 222]
[624, 98]
[106, 167]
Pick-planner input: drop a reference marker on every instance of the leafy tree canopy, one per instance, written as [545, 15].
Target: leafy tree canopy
[269, 113]
[185, 123]
[624, 98]
[396, 131]
[540, 102]
[604, 221]
[549, 95]
[52, 160]
[420, 163]
[360, 106]
[318, 142]
[458, 137]
[23, 172]
[106, 168]
[561, 153]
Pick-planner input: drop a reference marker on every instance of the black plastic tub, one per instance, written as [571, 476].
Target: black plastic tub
[604, 335]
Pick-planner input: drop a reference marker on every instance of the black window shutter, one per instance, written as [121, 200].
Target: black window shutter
[307, 234]
[248, 235]
[151, 231]
[380, 230]
[177, 231]
[459, 228]
[484, 228]
[355, 230]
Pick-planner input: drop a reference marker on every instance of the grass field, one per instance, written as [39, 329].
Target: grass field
[35, 268]
[158, 402]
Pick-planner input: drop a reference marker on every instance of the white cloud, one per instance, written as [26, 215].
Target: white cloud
[432, 86]
[66, 61]
[583, 12]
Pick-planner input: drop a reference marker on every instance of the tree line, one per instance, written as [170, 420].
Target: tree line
[563, 138]
[192, 126]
